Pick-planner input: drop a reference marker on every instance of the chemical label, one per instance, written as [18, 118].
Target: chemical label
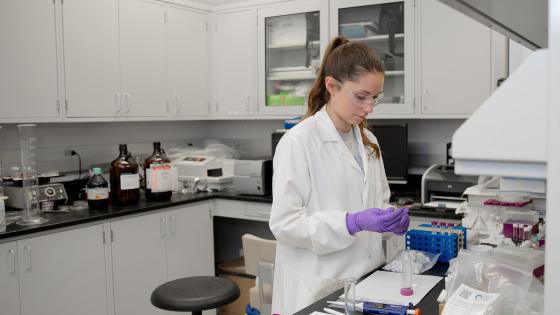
[130, 181]
[97, 193]
[159, 178]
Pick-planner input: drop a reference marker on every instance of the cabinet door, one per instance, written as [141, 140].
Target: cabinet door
[91, 66]
[234, 63]
[455, 74]
[190, 242]
[187, 62]
[291, 41]
[9, 290]
[28, 64]
[365, 21]
[63, 273]
[138, 251]
[142, 39]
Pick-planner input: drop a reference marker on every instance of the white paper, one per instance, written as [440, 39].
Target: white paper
[385, 287]
[130, 181]
[469, 301]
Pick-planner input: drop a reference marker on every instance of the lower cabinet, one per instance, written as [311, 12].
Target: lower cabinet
[149, 250]
[107, 268]
[9, 288]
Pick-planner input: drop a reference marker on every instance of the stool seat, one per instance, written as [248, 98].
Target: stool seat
[195, 294]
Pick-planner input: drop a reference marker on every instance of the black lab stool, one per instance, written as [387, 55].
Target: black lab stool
[195, 294]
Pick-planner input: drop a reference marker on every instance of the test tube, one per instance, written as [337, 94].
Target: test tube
[406, 275]
[434, 224]
[450, 227]
[527, 233]
[442, 226]
[515, 233]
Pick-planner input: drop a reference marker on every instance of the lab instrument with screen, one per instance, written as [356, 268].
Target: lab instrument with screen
[393, 140]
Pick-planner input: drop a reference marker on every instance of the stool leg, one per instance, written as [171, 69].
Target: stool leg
[197, 313]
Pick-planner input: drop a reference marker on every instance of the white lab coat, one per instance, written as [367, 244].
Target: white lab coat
[316, 182]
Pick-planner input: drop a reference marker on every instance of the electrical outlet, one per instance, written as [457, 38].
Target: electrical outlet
[67, 152]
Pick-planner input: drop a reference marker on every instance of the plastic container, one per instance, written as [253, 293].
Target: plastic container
[511, 217]
[291, 122]
[97, 191]
[355, 30]
[447, 246]
[406, 275]
[528, 259]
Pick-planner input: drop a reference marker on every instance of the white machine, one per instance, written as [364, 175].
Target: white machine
[217, 174]
[253, 177]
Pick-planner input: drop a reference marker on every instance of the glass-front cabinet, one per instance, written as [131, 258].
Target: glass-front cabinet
[387, 27]
[291, 41]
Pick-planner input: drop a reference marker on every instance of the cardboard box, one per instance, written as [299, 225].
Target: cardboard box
[235, 271]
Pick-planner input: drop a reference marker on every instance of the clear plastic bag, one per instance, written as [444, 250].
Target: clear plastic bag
[421, 261]
[218, 150]
[518, 291]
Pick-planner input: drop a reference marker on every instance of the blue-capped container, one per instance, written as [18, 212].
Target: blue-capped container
[289, 123]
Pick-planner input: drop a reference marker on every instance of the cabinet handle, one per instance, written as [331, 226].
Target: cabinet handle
[116, 102]
[12, 261]
[177, 108]
[28, 257]
[162, 227]
[126, 102]
[172, 225]
[248, 107]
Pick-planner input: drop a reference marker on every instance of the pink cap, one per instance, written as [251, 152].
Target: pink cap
[450, 224]
[406, 291]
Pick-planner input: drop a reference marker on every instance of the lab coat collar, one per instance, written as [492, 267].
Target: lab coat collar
[328, 133]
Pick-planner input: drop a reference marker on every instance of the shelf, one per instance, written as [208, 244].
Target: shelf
[394, 73]
[291, 46]
[293, 77]
[376, 39]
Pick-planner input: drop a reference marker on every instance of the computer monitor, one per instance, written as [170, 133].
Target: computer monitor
[393, 140]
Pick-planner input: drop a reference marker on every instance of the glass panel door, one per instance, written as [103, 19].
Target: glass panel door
[385, 27]
[292, 47]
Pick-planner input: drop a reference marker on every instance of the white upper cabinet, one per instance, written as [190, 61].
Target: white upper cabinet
[91, 58]
[388, 28]
[291, 41]
[28, 60]
[188, 65]
[142, 48]
[460, 60]
[234, 54]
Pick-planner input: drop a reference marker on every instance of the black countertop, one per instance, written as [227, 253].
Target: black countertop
[59, 220]
[428, 305]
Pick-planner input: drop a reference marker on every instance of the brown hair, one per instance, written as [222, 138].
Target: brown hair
[343, 60]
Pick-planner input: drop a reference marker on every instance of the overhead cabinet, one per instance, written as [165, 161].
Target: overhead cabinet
[28, 60]
[388, 28]
[460, 61]
[134, 58]
[291, 41]
[234, 64]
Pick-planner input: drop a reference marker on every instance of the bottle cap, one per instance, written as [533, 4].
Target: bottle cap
[406, 291]
[157, 144]
[96, 171]
[123, 147]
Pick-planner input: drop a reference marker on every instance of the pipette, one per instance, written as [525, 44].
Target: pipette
[379, 308]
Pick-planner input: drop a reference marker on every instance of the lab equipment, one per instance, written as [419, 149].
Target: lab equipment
[350, 296]
[218, 173]
[54, 192]
[406, 275]
[31, 212]
[252, 176]
[393, 141]
[380, 308]
[448, 245]
[442, 189]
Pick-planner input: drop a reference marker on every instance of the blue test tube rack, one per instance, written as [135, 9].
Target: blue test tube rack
[446, 241]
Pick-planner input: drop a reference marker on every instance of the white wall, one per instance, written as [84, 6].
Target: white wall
[98, 142]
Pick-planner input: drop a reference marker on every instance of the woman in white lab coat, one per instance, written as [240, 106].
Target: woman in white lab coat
[327, 170]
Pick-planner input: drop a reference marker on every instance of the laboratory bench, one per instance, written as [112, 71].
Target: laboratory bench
[67, 219]
[428, 305]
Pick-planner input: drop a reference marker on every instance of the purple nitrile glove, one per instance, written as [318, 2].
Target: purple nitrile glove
[403, 224]
[374, 220]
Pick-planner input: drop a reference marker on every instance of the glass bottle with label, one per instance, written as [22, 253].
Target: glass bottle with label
[157, 169]
[125, 180]
[97, 191]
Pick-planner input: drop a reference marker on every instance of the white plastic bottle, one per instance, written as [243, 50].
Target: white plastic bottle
[406, 275]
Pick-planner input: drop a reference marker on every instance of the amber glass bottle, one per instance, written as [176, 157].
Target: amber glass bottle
[157, 169]
[125, 180]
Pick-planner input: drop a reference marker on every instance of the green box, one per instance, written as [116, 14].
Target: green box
[284, 99]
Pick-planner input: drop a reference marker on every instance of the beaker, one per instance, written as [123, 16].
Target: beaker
[30, 183]
[350, 296]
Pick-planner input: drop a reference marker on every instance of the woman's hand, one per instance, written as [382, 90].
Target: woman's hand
[378, 220]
